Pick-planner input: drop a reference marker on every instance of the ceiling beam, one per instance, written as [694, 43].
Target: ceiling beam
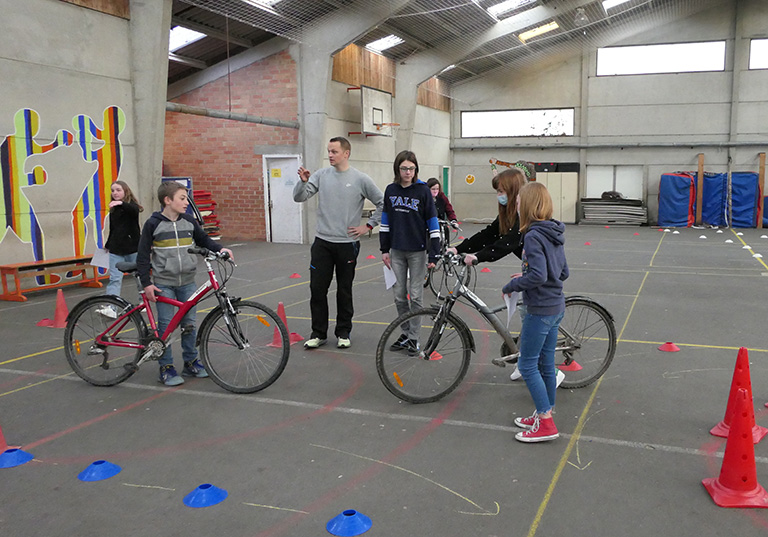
[211, 32]
[191, 62]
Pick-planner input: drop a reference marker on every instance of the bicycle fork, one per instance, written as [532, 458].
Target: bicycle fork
[230, 319]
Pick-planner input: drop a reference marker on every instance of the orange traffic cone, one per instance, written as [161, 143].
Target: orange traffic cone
[741, 380]
[737, 485]
[59, 315]
[292, 336]
[669, 347]
[3, 443]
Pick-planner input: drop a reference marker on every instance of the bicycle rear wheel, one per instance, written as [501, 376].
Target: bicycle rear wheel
[586, 343]
[417, 377]
[102, 365]
[260, 363]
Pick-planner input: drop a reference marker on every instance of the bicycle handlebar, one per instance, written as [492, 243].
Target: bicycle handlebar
[205, 252]
[457, 259]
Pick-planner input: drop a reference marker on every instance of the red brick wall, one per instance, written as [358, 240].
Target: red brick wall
[218, 154]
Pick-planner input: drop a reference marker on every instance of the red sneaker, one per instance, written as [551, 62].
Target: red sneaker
[542, 430]
[526, 423]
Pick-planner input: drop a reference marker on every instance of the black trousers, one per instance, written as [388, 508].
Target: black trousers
[325, 258]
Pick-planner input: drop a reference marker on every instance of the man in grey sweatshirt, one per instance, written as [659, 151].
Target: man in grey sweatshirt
[342, 192]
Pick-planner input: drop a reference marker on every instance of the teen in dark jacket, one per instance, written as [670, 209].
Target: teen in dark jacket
[124, 232]
[502, 237]
[408, 228]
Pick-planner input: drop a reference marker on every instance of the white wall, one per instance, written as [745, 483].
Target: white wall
[618, 119]
[62, 61]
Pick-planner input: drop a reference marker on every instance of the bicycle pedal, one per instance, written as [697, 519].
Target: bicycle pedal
[499, 362]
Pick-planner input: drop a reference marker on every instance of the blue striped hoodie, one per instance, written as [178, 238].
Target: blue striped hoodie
[409, 219]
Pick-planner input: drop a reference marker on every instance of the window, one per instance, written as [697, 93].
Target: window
[498, 123]
[758, 54]
[180, 37]
[507, 7]
[673, 58]
[384, 43]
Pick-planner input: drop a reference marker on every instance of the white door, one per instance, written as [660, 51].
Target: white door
[283, 214]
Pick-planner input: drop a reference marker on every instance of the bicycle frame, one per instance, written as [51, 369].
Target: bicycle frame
[460, 290]
[491, 317]
[212, 284]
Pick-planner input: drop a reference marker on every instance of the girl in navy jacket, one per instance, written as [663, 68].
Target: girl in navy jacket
[541, 282]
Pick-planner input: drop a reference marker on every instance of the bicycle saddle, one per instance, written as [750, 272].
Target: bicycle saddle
[126, 267]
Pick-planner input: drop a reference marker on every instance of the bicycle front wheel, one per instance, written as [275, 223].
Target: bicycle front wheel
[412, 374]
[442, 277]
[265, 341]
[586, 342]
[103, 365]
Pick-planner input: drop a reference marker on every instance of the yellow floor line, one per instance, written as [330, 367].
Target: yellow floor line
[750, 249]
[577, 432]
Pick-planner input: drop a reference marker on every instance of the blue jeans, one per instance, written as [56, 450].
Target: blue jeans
[115, 276]
[538, 339]
[165, 313]
[402, 262]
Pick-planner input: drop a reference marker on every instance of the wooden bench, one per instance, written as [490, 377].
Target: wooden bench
[59, 267]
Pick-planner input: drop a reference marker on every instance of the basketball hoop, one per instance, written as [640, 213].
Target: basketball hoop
[387, 129]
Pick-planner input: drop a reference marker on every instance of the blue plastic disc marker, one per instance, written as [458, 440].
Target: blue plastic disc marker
[99, 470]
[205, 495]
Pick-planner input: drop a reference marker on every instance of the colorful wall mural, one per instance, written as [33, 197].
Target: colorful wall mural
[21, 171]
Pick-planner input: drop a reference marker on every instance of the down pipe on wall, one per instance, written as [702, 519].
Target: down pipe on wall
[222, 114]
[679, 145]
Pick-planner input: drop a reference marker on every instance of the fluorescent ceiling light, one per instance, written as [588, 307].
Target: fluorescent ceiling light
[525, 36]
[384, 43]
[181, 37]
[261, 3]
[608, 4]
[508, 5]
[448, 68]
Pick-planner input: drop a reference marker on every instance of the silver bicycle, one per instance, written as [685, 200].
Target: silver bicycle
[585, 347]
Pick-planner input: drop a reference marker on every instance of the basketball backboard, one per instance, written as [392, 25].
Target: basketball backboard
[376, 110]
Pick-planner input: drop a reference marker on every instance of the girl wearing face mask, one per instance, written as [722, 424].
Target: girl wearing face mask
[502, 236]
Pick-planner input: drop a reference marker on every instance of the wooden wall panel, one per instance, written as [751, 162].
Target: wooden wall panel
[118, 8]
[347, 64]
[434, 93]
[357, 66]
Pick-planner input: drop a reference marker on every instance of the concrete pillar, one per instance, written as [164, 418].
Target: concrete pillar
[149, 30]
[314, 57]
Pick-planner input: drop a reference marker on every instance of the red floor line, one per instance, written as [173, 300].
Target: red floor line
[84, 424]
[374, 469]
[188, 446]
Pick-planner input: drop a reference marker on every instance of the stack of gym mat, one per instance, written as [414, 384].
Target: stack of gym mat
[207, 208]
[615, 211]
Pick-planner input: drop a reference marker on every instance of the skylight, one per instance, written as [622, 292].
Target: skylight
[181, 37]
[261, 3]
[508, 5]
[608, 4]
[384, 43]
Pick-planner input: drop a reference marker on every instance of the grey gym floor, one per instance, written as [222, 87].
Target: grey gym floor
[328, 437]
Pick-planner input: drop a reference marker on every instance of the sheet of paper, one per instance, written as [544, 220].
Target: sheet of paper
[100, 258]
[511, 301]
[389, 277]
